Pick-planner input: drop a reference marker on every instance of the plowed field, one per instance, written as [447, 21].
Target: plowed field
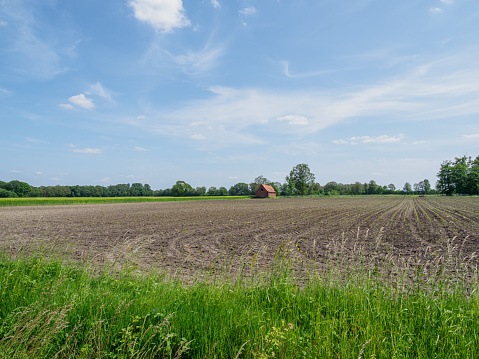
[199, 236]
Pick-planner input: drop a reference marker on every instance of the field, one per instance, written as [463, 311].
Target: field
[254, 278]
[48, 201]
[196, 236]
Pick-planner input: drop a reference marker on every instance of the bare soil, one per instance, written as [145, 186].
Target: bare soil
[196, 237]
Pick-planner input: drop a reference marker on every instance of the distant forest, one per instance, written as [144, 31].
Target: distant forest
[457, 177]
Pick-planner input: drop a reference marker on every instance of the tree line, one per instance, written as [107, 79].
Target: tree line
[460, 176]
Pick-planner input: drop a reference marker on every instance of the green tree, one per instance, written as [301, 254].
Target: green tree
[4, 193]
[239, 189]
[212, 191]
[201, 191]
[372, 187]
[22, 189]
[357, 188]
[473, 177]
[407, 188]
[181, 188]
[331, 186]
[301, 178]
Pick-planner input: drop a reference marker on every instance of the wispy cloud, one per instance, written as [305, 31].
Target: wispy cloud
[294, 120]
[447, 2]
[35, 140]
[288, 73]
[369, 140]
[215, 3]
[99, 90]
[163, 15]
[31, 50]
[248, 11]
[198, 62]
[194, 62]
[15, 171]
[87, 150]
[435, 10]
[139, 149]
[230, 116]
[245, 13]
[471, 137]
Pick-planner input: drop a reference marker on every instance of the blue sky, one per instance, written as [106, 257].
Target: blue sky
[215, 92]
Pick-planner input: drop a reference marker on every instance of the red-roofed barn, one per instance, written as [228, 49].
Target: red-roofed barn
[265, 191]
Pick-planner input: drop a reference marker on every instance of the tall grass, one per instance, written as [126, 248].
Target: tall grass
[50, 310]
[43, 201]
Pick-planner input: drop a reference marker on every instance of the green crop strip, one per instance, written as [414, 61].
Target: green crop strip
[6, 202]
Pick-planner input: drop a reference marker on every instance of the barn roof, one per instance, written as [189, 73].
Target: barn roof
[268, 188]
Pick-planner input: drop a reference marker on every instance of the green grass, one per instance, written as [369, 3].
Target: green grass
[51, 310]
[44, 201]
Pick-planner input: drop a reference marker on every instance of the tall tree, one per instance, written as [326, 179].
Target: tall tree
[239, 189]
[181, 188]
[407, 188]
[301, 177]
[473, 177]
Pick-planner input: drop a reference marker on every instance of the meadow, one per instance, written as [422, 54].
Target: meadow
[391, 277]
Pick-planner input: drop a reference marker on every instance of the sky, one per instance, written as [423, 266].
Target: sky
[216, 92]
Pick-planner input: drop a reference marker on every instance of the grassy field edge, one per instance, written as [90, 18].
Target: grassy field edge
[50, 310]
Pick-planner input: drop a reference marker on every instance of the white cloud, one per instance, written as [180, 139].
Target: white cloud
[15, 171]
[35, 140]
[248, 11]
[82, 101]
[140, 149]
[471, 137]
[420, 142]
[164, 15]
[3, 23]
[98, 89]
[369, 140]
[197, 123]
[87, 150]
[233, 177]
[38, 173]
[66, 106]
[295, 120]
[107, 179]
[198, 137]
[215, 3]
[140, 117]
[447, 2]
[435, 10]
